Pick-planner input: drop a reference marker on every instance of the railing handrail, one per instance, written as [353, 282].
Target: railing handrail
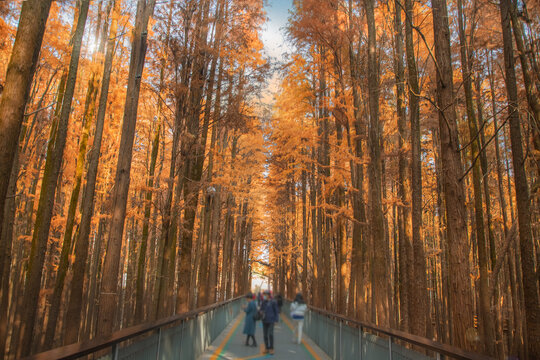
[443, 349]
[76, 350]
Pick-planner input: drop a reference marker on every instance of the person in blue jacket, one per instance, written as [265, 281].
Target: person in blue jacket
[269, 309]
[249, 325]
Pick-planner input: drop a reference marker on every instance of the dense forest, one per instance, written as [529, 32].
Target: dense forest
[393, 174]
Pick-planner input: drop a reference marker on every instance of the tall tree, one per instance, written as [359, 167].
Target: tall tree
[74, 306]
[488, 327]
[380, 248]
[109, 286]
[420, 322]
[452, 170]
[526, 244]
[53, 163]
[88, 118]
[16, 89]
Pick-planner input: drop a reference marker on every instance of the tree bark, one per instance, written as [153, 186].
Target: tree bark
[109, 285]
[526, 244]
[456, 215]
[74, 307]
[47, 194]
[403, 211]
[487, 325]
[380, 248]
[70, 222]
[193, 163]
[419, 303]
[19, 75]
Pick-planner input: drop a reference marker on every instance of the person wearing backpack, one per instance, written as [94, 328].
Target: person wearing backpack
[251, 315]
[269, 310]
[298, 311]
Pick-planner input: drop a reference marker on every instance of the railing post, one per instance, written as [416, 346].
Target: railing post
[115, 351]
[181, 336]
[390, 347]
[438, 356]
[158, 343]
[340, 325]
[360, 336]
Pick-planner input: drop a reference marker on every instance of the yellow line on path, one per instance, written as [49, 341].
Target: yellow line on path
[308, 347]
[221, 346]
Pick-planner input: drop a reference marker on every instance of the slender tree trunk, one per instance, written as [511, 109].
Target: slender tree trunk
[357, 175]
[74, 307]
[419, 303]
[380, 248]
[48, 192]
[215, 201]
[532, 88]
[494, 302]
[19, 75]
[456, 215]
[405, 274]
[109, 285]
[526, 244]
[488, 327]
[70, 222]
[7, 241]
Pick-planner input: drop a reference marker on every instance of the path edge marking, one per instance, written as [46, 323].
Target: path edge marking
[221, 346]
[308, 347]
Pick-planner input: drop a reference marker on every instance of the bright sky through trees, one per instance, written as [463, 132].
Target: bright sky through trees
[273, 34]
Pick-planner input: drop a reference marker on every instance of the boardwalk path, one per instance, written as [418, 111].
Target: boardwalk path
[230, 344]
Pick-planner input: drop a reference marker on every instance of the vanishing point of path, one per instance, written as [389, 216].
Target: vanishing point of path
[230, 344]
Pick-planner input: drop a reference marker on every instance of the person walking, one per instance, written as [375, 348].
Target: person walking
[298, 311]
[249, 325]
[270, 317]
[279, 301]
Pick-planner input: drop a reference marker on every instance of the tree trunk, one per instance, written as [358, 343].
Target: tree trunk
[531, 86]
[70, 222]
[6, 237]
[488, 327]
[19, 75]
[380, 248]
[403, 211]
[456, 215]
[193, 164]
[526, 244]
[109, 285]
[47, 194]
[419, 303]
[74, 307]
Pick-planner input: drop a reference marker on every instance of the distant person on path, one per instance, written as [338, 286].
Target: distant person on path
[298, 311]
[249, 325]
[279, 301]
[270, 317]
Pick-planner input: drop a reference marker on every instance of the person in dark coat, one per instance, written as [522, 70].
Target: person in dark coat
[279, 301]
[270, 317]
[249, 325]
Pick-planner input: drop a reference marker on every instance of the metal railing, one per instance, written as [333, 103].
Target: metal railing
[341, 337]
[182, 336]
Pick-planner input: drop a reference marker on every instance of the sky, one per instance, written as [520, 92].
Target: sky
[273, 37]
[273, 31]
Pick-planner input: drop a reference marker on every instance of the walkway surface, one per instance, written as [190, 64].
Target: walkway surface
[231, 343]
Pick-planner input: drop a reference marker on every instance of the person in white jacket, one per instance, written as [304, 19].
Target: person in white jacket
[298, 311]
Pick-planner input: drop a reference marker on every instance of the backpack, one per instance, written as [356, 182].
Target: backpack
[259, 315]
